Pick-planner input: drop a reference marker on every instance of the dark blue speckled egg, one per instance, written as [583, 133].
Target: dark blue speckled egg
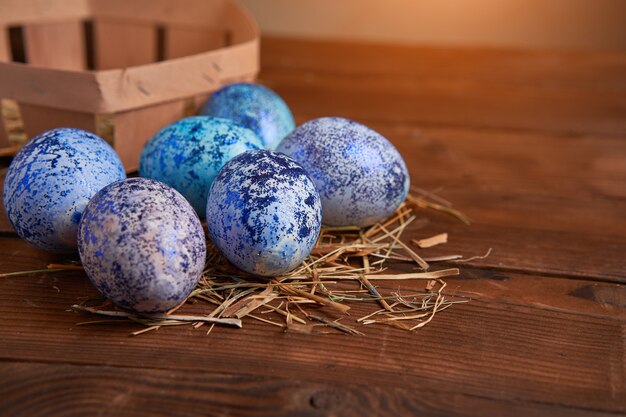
[50, 182]
[360, 175]
[256, 107]
[188, 154]
[142, 245]
[264, 213]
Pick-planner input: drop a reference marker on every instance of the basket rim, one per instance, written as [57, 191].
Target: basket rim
[199, 13]
[123, 89]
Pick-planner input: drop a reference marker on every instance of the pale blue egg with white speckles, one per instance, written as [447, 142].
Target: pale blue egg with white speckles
[142, 245]
[50, 182]
[254, 106]
[360, 175]
[264, 213]
[188, 154]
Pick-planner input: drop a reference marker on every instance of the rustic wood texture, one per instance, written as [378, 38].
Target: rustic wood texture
[5, 55]
[122, 44]
[127, 48]
[530, 145]
[38, 119]
[563, 92]
[181, 41]
[59, 45]
[4, 136]
[5, 47]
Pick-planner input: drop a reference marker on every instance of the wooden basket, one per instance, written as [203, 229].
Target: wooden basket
[120, 68]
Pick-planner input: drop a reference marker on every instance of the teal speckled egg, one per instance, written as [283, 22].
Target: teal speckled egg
[188, 154]
[256, 107]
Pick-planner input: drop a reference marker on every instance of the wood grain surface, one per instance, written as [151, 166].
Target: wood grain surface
[529, 144]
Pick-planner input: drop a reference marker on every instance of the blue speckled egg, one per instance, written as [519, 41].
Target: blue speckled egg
[142, 245]
[188, 154]
[360, 175]
[264, 213]
[50, 182]
[256, 107]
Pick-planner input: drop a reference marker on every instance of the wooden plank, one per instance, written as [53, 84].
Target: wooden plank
[38, 119]
[5, 48]
[200, 100]
[180, 41]
[536, 69]
[562, 92]
[176, 79]
[539, 167]
[5, 224]
[534, 219]
[134, 128]
[486, 348]
[119, 90]
[243, 78]
[558, 294]
[527, 200]
[71, 90]
[109, 391]
[18, 12]
[196, 13]
[394, 100]
[544, 252]
[554, 293]
[492, 160]
[4, 137]
[125, 89]
[59, 45]
[239, 24]
[5, 56]
[538, 251]
[123, 43]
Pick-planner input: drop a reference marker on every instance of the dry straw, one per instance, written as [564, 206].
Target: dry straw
[342, 271]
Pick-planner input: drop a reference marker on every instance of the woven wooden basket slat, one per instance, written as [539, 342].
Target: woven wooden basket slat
[152, 62]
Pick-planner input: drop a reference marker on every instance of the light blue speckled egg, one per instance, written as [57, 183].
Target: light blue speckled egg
[142, 245]
[360, 175]
[188, 154]
[264, 213]
[254, 106]
[50, 182]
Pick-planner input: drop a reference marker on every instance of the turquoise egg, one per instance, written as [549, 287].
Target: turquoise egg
[264, 213]
[254, 106]
[51, 180]
[360, 175]
[188, 154]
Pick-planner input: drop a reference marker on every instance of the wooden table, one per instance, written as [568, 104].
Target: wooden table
[531, 145]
